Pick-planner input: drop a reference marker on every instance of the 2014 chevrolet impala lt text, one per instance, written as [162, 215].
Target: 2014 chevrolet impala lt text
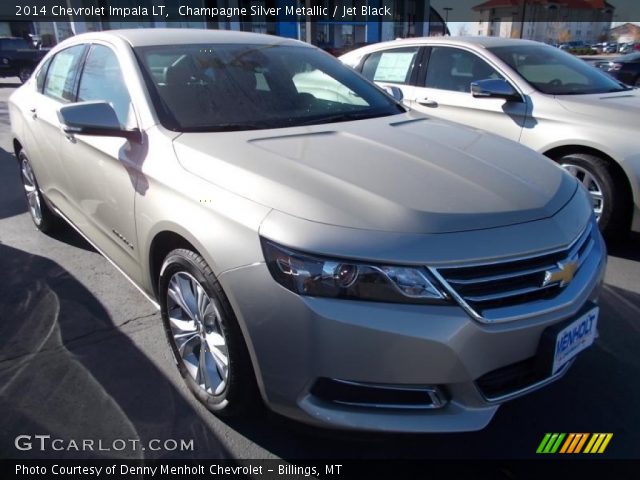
[310, 242]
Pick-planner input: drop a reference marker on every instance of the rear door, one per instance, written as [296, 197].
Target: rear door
[55, 85]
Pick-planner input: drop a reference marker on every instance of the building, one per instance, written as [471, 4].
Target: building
[411, 18]
[625, 33]
[549, 21]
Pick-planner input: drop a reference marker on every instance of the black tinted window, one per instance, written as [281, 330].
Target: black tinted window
[392, 66]
[455, 69]
[102, 80]
[61, 75]
[215, 87]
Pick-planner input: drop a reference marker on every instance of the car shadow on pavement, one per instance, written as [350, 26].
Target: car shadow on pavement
[627, 247]
[68, 371]
[12, 198]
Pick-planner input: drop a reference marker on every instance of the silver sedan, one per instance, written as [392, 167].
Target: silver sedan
[310, 242]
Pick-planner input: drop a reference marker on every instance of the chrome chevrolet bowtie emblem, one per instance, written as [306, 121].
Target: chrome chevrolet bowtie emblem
[563, 273]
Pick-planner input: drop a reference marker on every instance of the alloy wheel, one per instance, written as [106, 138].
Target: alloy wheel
[592, 185]
[31, 189]
[196, 327]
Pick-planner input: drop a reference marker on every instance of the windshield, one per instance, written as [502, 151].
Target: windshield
[215, 87]
[552, 71]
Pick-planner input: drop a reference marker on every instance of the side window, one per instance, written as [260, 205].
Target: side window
[392, 66]
[42, 75]
[454, 69]
[61, 74]
[102, 80]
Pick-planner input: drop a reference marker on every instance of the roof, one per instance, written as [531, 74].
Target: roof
[143, 37]
[572, 4]
[482, 42]
[625, 27]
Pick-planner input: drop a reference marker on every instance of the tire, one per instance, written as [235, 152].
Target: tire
[43, 217]
[200, 346]
[607, 190]
[24, 74]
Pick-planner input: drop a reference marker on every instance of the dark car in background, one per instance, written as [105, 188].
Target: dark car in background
[18, 58]
[625, 69]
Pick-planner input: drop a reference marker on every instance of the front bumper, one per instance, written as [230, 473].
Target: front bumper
[294, 341]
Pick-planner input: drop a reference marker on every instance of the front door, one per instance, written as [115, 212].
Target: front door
[106, 169]
[444, 91]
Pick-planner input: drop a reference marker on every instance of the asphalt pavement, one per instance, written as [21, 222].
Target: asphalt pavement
[83, 356]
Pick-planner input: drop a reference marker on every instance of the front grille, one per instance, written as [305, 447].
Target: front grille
[493, 292]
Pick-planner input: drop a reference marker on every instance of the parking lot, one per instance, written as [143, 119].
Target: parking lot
[83, 356]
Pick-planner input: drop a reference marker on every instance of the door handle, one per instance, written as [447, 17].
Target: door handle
[427, 102]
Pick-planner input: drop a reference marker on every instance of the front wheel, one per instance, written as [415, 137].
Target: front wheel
[610, 205]
[204, 335]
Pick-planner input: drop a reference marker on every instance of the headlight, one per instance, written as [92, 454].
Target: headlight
[322, 277]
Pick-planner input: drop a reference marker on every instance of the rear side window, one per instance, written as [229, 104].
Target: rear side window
[392, 66]
[62, 72]
[102, 80]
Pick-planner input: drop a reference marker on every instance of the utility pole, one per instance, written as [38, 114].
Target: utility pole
[524, 9]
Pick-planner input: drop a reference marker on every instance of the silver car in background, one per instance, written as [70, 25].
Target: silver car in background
[351, 263]
[529, 92]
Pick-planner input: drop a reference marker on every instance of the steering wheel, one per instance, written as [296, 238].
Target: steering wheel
[556, 82]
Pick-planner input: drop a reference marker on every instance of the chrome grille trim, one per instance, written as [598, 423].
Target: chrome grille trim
[493, 297]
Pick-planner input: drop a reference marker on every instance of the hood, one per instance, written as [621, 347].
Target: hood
[403, 173]
[622, 108]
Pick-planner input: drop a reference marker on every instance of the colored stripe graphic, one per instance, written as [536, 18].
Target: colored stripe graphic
[607, 439]
[567, 442]
[573, 443]
[581, 442]
[543, 443]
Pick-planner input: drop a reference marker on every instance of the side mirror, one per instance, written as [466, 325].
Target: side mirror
[94, 118]
[395, 92]
[495, 88]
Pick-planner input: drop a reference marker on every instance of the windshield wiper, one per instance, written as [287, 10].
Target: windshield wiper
[227, 127]
[343, 117]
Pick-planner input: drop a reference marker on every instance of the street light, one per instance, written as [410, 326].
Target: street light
[446, 14]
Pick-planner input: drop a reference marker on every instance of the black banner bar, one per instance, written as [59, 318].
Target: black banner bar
[318, 469]
[326, 11]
